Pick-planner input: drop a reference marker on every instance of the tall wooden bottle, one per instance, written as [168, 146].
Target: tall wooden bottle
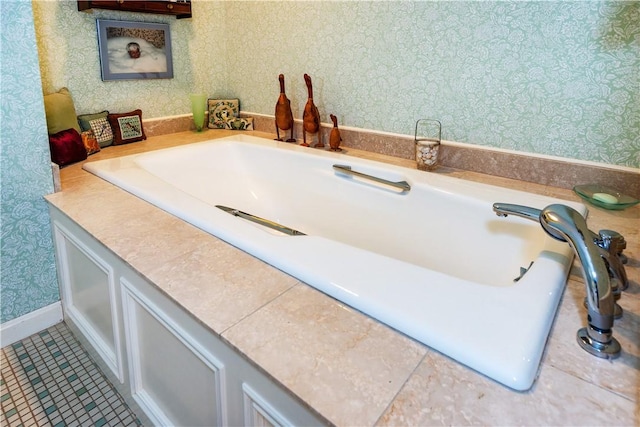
[310, 116]
[284, 116]
[334, 137]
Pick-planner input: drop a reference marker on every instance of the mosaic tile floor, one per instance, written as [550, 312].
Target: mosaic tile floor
[48, 379]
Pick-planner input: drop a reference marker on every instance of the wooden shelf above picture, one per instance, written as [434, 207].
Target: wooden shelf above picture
[180, 9]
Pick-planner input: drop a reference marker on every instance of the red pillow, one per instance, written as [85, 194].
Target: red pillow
[67, 147]
[127, 127]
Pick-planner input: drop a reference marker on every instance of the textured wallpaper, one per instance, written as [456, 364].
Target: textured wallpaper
[28, 276]
[68, 48]
[549, 77]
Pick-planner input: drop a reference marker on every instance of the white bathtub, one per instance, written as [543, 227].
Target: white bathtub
[434, 262]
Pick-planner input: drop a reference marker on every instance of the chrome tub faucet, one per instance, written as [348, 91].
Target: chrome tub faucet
[566, 224]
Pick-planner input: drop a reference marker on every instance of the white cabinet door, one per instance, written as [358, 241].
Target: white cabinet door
[89, 295]
[173, 378]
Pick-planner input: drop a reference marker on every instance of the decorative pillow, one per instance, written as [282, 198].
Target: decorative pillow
[127, 127]
[60, 112]
[90, 142]
[84, 119]
[67, 147]
[221, 110]
[240, 123]
[102, 131]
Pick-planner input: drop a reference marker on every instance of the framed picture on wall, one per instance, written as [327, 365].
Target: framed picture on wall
[134, 50]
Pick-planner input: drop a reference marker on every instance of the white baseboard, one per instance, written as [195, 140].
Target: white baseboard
[29, 324]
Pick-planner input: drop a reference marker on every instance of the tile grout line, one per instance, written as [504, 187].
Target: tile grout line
[55, 382]
[19, 386]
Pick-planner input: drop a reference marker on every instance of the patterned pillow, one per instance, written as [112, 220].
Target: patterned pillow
[222, 110]
[84, 119]
[90, 142]
[240, 123]
[102, 131]
[127, 127]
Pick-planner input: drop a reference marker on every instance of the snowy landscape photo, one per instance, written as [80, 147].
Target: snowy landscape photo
[134, 50]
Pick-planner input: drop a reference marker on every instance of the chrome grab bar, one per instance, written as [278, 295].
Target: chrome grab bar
[402, 185]
[265, 222]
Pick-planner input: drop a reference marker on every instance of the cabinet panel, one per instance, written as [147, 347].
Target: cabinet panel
[174, 379]
[89, 295]
[259, 412]
[89, 289]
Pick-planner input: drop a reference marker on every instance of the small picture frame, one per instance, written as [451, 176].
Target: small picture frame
[134, 50]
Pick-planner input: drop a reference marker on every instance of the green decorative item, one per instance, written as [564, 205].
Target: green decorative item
[198, 106]
[605, 197]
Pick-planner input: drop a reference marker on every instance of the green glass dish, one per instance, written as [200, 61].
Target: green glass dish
[605, 197]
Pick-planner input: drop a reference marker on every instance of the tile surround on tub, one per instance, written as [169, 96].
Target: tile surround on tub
[165, 125]
[563, 354]
[544, 170]
[473, 400]
[556, 172]
[345, 357]
[247, 281]
[541, 170]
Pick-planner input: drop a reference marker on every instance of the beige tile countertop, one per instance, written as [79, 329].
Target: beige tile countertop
[350, 368]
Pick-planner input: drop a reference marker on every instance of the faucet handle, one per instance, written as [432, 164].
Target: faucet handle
[613, 242]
